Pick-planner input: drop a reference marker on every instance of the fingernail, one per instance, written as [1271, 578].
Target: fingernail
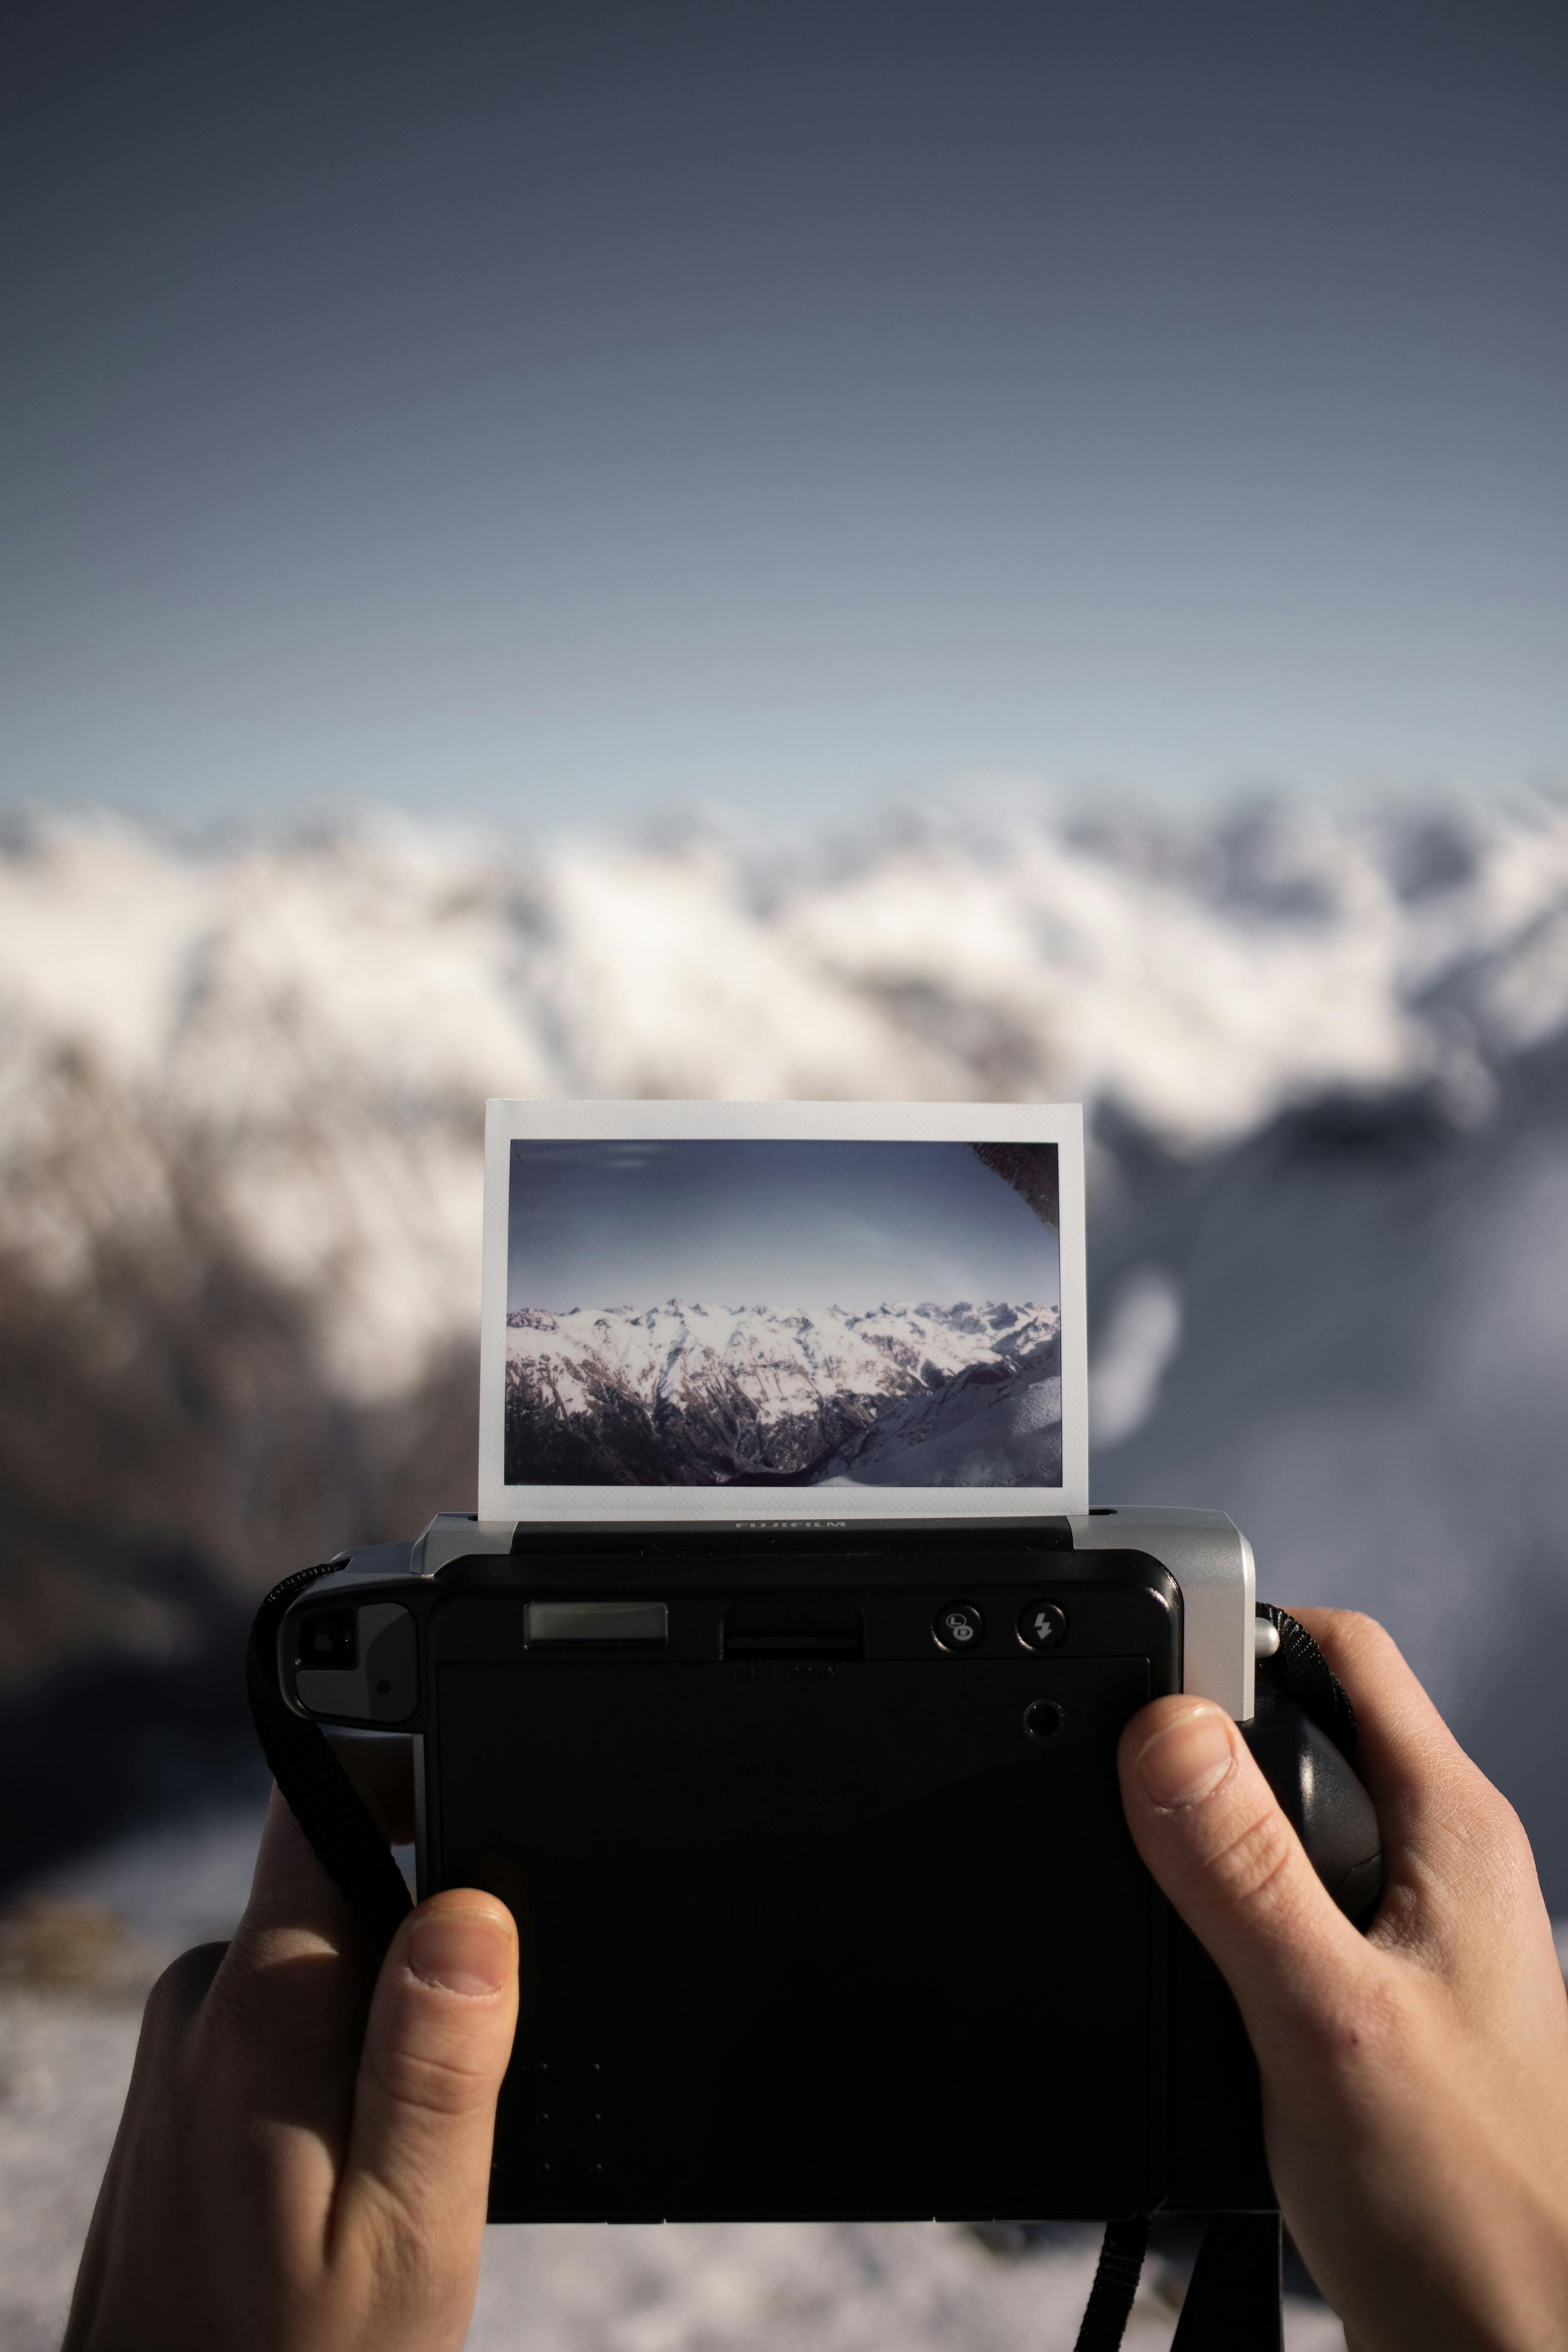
[1191, 1757]
[461, 1951]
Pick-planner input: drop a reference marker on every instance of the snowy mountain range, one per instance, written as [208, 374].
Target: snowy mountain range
[281, 1054]
[686, 1394]
[1324, 1056]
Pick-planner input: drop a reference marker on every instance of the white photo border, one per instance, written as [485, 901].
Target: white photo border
[849, 1122]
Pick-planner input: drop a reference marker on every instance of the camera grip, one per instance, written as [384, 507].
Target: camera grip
[1324, 1802]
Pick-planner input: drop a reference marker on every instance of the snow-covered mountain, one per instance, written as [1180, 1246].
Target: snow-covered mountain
[281, 1053]
[1325, 1057]
[689, 1395]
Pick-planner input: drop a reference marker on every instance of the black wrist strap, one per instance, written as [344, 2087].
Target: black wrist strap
[1115, 2284]
[319, 1792]
[1235, 2299]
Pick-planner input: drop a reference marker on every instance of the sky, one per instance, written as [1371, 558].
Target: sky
[788, 1225]
[550, 414]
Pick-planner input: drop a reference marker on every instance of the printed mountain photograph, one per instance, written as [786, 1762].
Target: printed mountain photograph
[752, 1313]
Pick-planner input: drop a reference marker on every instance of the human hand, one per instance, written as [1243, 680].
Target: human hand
[304, 2157]
[1414, 2079]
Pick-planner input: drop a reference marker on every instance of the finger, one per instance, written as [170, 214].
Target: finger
[1402, 1741]
[1456, 1861]
[290, 1894]
[436, 2047]
[1405, 1753]
[173, 2007]
[282, 2021]
[1214, 1837]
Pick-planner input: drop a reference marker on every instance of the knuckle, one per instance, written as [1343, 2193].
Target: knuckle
[1356, 1634]
[1489, 1835]
[234, 2008]
[181, 1990]
[1508, 1831]
[429, 2080]
[1252, 1866]
[1495, 1822]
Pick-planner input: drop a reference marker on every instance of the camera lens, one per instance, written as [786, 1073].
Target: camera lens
[328, 1639]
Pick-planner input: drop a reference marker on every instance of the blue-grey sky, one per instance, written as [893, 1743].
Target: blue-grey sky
[542, 413]
[781, 1224]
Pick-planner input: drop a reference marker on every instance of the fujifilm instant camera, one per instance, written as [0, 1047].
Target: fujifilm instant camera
[776, 1685]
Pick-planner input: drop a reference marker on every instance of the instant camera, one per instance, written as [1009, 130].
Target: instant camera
[776, 1684]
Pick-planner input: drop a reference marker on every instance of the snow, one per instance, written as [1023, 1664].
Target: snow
[718, 1387]
[299, 1035]
[966, 1437]
[786, 1360]
[275, 1057]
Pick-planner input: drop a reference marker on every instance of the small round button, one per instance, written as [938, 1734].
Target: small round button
[1041, 1625]
[959, 1626]
[1044, 1719]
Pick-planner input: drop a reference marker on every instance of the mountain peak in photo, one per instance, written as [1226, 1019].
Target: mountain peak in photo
[707, 1395]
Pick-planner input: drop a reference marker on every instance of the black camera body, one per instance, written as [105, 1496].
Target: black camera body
[813, 1836]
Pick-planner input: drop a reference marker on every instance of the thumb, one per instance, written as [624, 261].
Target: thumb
[436, 2044]
[1211, 1832]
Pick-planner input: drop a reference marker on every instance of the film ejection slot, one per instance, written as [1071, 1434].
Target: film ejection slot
[783, 1626]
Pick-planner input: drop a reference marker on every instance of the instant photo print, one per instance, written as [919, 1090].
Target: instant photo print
[775, 1685]
[759, 1311]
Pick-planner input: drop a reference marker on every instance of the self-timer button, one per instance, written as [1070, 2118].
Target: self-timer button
[1041, 1625]
[959, 1626]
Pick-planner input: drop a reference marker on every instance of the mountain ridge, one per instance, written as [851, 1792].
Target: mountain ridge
[240, 1164]
[683, 1393]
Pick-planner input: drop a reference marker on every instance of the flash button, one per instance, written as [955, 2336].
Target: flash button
[1041, 1625]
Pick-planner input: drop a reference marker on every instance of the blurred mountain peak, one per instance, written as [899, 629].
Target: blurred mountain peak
[241, 1088]
[298, 1034]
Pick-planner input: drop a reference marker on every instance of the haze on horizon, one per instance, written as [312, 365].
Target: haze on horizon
[546, 415]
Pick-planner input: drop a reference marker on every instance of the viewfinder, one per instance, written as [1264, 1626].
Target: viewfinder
[330, 1638]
